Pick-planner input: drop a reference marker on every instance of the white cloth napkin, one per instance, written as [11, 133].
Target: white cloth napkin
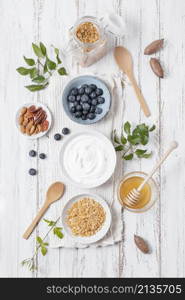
[114, 235]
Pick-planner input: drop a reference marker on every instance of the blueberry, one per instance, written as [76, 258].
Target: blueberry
[79, 107]
[71, 98]
[86, 106]
[57, 136]
[32, 153]
[94, 102]
[81, 91]
[93, 95]
[65, 130]
[92, 109]
[101, 100]
[42, 155]
[91, 116]
[98, 110]
[32, 172]
[78, 114]
[93, 87]
[85, 112]
[84, 117]
[73, 109]
[84, 98]
[88, 90]
[84, 86]
[99, 92]
[90, 101]
[75, 103]
[78, 98]
[74, 92]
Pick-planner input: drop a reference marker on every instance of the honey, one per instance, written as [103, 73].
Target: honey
[133, 182]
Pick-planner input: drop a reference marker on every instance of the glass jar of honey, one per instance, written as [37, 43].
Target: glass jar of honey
[148, 194]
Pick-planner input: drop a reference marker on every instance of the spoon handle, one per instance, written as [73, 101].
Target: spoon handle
[140, 97]
[30, 229]
[173, 146]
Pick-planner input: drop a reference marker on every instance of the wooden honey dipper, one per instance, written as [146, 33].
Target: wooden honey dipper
[134, 195]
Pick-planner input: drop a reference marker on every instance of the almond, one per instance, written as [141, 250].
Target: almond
[21, 119]
[22, 129]
[39, 128]
[25, 122]
[32, 129]
[29, 125]
[156, 67]
[23, 111]
[141, 244]
[154, 47]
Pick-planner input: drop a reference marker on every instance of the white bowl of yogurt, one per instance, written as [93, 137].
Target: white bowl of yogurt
[88, 159]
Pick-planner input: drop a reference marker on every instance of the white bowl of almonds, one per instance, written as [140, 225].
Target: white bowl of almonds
[33, 120]
[86, 218]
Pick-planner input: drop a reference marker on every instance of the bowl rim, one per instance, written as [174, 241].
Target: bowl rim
[89, 121]
[49, 118]
[75, 134]
[100, 233]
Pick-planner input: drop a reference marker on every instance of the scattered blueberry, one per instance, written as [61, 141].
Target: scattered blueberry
[73, 109]
[78, 98]
[98, 110]
[79, 107]
[101, 100]
[71, 98]
[78, 114]
[91, 116]
[42, 155]
[99, 92]
[93, 109]
[88, 90]
[65, 130]
[32, 172]
[81, 91]
[57, 136]
[93, 95]
[74, 92]
[32, 153]
[86, 107]
[93, 87]
[84, 98]
[94, 102]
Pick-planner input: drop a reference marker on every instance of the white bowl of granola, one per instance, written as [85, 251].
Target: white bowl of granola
[86, 218]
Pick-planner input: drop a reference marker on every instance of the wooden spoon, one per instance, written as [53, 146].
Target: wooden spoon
[124, 60]
[55, 192]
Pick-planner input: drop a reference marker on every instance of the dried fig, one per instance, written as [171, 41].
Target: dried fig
[32, 109]
[44, 125]
[141, 244]
[154, 47]
[156, 67]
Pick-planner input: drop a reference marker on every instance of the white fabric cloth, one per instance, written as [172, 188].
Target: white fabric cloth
[114, 235]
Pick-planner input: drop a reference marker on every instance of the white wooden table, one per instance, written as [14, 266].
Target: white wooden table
[23, 22]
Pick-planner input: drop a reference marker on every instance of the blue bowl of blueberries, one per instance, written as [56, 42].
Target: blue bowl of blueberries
[86, 99]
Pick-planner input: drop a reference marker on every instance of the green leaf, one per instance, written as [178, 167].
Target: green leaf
[34, 87]
[144, 139]
[147, 155]
[45, 68]
[127, 127]
[152, 128]
[44, 250]
[56, 51]
[23, 71]
[39, 240]
[43, 48]
[50, 223]
[58, 233]
[37, 50]
[115, 137]
[29, 61]
[33, 73]
[39, 79]
[123, 140]
[143, 129]
[62, 71]
[140, 152]
[119, 148]
[134, 140]
[128, 157]
[46, 244]
[58, 59]
[51, 64]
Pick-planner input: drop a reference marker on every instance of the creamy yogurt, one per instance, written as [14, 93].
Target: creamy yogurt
[89, 159]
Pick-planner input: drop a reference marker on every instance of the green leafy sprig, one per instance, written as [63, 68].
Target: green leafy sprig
[42, 68]
[128, 144]
[41, 245]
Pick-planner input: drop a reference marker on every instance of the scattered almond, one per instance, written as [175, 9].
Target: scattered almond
[156, 67]
[141, 244]
[154, 47]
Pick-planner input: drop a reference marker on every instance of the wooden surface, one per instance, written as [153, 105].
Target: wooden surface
[21, 195]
